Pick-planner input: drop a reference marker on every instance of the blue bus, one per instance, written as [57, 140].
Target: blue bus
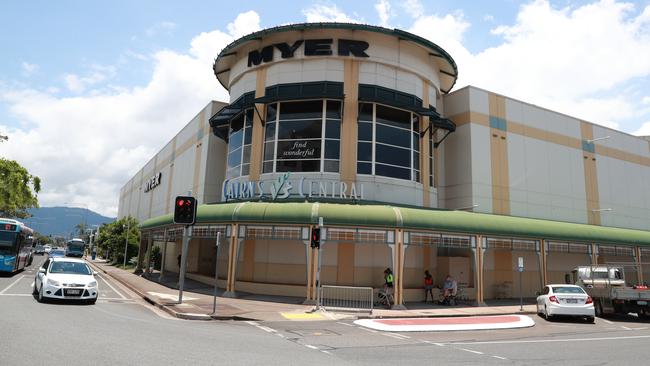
[15, 245]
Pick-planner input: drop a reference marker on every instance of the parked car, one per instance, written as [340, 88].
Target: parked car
[569, 300]
[66, 278]
[54, 253]
[47, 248]
[39, 249]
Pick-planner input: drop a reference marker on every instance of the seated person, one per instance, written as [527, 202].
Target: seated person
[449, 289]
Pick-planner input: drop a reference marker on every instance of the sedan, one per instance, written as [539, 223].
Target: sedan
[66, 278]
[55, 253]
[569, 300]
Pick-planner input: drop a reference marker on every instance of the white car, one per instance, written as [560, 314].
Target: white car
[569, 300]
[66, 278]
[47, 248]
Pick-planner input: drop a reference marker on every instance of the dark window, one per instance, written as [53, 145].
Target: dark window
[299, 149]
[365, 131]
[364, 168]
[333, 109]
[333, 129]
[332, 149]
[391, 171]
[364, 151]
[332, 166]
[299, 129]
[301, 110]
[393, 136]
[269, 135]
[271, 112]
[393, 156]
[298, 165]
[393, 117]
[365, 112]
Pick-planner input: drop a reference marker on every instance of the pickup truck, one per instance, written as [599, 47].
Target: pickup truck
[606, 286]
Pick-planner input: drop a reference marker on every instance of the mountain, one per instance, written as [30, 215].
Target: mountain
[61, 221]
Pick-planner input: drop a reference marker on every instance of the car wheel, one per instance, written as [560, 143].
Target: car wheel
[35, 291]
[41, 298]
[590, 319]
[92, 301]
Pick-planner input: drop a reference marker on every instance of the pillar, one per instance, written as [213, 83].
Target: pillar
[543, 266]
[594, 254]
[164, 256]
[639, 265]
[398, 270]
[479, 252]
[233, 250]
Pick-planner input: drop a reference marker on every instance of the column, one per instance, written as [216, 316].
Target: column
[479, 252]
[232, 262]
[398, 272]
[542, 261]
[639, 266]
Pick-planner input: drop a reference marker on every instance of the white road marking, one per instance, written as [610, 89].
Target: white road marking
[396, 336]
[500, 358]
[369, 330]
[25, 295]
[12, 284]
[112, 288]
[310, 346]
[434, 343]
[328, 352]
[624, 327]
[266, 329]
[551, 340]
[349, 325]
[472, 351]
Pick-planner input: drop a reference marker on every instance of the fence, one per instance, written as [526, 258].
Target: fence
[346, 298]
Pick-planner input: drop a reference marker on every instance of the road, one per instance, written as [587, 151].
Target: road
[121, 329]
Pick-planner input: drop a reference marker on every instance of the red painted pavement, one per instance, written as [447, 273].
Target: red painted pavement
[499, 319]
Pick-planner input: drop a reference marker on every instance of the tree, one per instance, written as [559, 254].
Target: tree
[112, 238]
[18, 189]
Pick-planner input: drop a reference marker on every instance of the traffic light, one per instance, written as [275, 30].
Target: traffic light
[185, 210]
[315, 237]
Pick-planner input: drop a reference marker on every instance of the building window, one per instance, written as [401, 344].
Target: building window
[302, 136]
[389, 142]
[431, 162]
[239, 145]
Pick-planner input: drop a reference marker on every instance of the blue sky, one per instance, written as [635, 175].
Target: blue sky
[75, 76]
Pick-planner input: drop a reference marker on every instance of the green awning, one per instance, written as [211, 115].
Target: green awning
[385, 216]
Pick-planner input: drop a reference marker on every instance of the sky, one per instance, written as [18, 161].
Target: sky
[90, 91]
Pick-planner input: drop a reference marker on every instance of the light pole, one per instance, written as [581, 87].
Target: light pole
[126, 241]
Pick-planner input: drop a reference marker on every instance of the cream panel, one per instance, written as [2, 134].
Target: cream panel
[245, 84]
[159, 194]
[183, 172]
[188, 133]
[456, 102]
[514, 110]
[480, 154]
[563, 125]
[621, 141]
[390, 190]
[409, 83]
[458, 149]
[536, 173]
[533, 117]
[478, 101]
[286, 252]
[215, 170]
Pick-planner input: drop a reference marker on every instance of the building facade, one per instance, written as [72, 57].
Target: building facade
[356, 126]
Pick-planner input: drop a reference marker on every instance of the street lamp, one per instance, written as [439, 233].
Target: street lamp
[597, 139]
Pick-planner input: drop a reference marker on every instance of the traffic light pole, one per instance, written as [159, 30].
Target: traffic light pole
[187, 232]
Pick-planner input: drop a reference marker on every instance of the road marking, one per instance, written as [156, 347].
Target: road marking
[12, 284]
[500, 358]
[396, 336]
[434, 343]
[310, 346]
[328, 352]
[25, 295]
[606, 321]
[552, 340]
[624, 327]
[301, 316]
[472, 351]
[369, 330]
[349, 325]
[112, 288]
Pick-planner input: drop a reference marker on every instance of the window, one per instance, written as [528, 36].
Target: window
[302, 136]
[239, 144]
[389, 142]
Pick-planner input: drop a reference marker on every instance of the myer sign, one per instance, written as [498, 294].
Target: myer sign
[152, 182]
[283, 188]
[311, 47]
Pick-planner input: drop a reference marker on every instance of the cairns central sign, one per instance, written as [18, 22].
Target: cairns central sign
[283, 188]
[311, 47]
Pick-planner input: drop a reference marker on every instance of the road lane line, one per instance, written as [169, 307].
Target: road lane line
[472, 351]
[369, 330]
[25, 295]
[328, 352]
[500, 358]
[112, 288]
[550, 340]
[392, 336]
[310, 346]
[434, 343]
[349, 325]
[12, 284]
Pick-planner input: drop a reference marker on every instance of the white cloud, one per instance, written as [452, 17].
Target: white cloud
[29, 69]
[414, 8]
[644, 130]
[383, 11]
[327, 13]
[244, 24]
[160, 28]
[645, 100]
[85, 148]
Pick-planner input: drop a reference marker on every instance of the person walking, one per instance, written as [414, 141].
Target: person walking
[388, 286]
[428, 286]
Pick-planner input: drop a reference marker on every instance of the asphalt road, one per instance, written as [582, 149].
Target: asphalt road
[121, 329]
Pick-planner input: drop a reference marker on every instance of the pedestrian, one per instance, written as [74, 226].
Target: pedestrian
[449, 289]
[388, 286]
[428, 286]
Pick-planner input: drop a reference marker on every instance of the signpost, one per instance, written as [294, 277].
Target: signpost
[520, 269]
[216, 273]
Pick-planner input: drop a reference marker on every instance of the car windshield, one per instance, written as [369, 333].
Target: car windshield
[7, 239]
[567, 290]
[70, 267]
[54, 253]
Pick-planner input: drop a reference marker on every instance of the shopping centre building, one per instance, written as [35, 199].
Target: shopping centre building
[359, 126]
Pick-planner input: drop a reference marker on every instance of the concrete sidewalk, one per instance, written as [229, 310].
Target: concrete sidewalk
[198, 302]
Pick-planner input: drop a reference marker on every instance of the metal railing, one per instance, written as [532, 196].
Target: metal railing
[346, 298]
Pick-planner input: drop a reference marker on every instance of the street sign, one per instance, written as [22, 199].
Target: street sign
[520, 264]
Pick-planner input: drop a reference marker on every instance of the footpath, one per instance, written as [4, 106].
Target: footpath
[198, 301]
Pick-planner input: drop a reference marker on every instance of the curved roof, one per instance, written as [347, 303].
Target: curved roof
[446, 64]
[337, 214]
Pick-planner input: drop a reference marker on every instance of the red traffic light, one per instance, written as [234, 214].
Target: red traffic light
[180, 202]
[185, 210]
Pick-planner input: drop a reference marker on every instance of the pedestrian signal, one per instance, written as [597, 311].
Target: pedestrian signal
[185, 210]
[315, 237]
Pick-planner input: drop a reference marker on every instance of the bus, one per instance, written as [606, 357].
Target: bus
[75, 248]
[15, 245]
